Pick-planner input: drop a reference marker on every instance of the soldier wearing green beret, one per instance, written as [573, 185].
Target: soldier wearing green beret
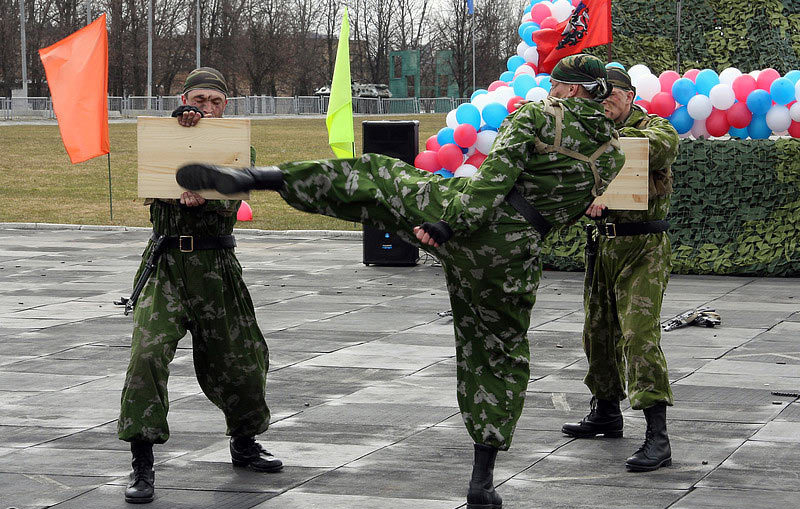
[623, 292]
[196, 285]
[548, 162]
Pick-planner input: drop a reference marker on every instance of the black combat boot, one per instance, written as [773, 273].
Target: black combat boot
[604, 418]
[655, 452]
[141, 487]
[198, 176]
[246, 452]
[481, 493]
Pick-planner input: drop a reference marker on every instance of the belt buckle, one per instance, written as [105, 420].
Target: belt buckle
[611, 227]
[182, 242]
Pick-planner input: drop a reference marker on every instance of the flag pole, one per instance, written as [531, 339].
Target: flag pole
[110, 204]
[473, 49]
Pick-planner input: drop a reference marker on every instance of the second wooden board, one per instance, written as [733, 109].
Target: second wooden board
[629, 189]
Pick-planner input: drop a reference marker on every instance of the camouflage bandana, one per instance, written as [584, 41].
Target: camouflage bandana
[585, 70]
[206, 78]
[620, 79]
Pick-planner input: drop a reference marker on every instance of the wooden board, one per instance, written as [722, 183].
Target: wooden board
[629, 189]
[165, 146]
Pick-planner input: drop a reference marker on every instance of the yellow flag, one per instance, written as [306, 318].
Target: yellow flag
[340, 107]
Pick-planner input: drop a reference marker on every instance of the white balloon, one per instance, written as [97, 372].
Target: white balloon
[471, 150]
[539, 94]
[699, 128]
[505, 95]
[522, 47]
[465, 170]
[638, 69]
[728, 75]
[561, 9]
[524, 69]
[794, 111]
[532, 55]
[451, 121]
[699, 108]
[797, 90]
[485, 140]
[646, 85]
[754, 74]
[778, 118]
[722, 96]
[481, 101]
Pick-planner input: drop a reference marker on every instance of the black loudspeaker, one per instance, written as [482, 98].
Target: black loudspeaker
[398, 139]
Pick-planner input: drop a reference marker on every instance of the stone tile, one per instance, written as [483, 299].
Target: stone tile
[24, 491]
[718, 498]
[298, 454]
[572, 495]
[112, 497]
[297, 499]
[758, 465]
[779, 432]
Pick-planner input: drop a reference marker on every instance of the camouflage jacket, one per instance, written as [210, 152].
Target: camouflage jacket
[559, 186]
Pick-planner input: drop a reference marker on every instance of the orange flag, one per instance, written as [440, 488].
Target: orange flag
[77, 74]
[588, 26]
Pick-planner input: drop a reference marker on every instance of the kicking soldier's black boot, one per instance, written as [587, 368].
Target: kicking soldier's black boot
[198, 176]
[481, 493]
[141, 487]
[655, 452]
[605, 418]
[246, 452]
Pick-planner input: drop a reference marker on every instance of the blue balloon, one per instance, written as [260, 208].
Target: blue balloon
[681, 120]
[523, 83]
[683, 89]
[793, 76]
[527, 34]
[478, 92]
[615, 64]
[705, 81]
[534, 2]
[782, 91]
[527, 9]
[507, 76]
[468, 114]
[545, 83]
[759, 102]
[494, 113]
[444, 173]
[758, 128]
[738, 133]
[514, 62]
[445, 136]
[523, 26]
[487, 128]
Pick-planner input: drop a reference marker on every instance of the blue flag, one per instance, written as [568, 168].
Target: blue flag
[471, 6]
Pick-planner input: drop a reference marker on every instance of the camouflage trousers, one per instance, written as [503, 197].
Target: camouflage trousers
[201, 292]
[492, 275]
[622, 332]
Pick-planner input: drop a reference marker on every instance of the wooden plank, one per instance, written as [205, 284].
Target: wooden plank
[164, 146]
[629, 189]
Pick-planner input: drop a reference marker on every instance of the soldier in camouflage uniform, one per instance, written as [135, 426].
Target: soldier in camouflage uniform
[623, 294]
[197, 286]
[555, 156]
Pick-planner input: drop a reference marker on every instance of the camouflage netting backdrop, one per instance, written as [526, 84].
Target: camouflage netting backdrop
[735, 210]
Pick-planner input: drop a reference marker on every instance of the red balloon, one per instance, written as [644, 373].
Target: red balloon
[476, 159]
[644, 104]
[742, 86]
[465, 135]
[667, 79]
[662, 104]
[717, 123]
[691, 74]
[766, 77]
[539, 12]
[549, 22]
[511, 104]
[576, 2]
[432, 143]
[794, 129]
[245, 213]
[497, 84]
[739, 115]
[451, 157]
[428, 160]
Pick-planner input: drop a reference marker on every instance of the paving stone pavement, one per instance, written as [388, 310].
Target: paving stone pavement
[362, 388]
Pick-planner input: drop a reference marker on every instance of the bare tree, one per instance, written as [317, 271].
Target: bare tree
[266, 44]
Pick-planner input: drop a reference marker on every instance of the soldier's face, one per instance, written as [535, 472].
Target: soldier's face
[618, 104]
[561, 90]
[210, 102]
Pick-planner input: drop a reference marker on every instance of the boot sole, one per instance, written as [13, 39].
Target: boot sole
[242, 464]
[139, 500]
[608, 434]
[484, 506]
[196, 177]
[641, 468]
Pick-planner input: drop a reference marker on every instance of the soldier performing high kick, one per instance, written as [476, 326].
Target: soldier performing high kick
[547, 164]
[623, 292]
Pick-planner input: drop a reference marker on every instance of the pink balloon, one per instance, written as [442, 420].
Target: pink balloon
[451, 157]
[511, 105]
[477, 159]
[644, 104]
[667, 79]
[662, 104]
[428, 160]
[539, 12]
[465, 135]
[739, 115]
[576, 2]
[691, 74]
[549, 22]
[432, 143]
[742, 86]
[794, 129]
[766, 77]
[245, 213]
[497, 84]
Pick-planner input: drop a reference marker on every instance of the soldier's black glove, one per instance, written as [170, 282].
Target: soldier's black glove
[439, 231]
[180, 110]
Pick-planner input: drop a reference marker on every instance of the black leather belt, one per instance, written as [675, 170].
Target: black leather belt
[612, 230]
[528, 211]
[189, 243]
